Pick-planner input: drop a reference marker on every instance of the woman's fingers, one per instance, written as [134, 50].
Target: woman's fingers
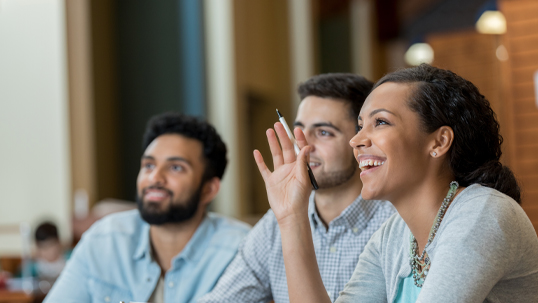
[300, 138]
[264, 171]
[303, 158]
[301, 141]
[283, 155]
[288, 149]
[278, 160]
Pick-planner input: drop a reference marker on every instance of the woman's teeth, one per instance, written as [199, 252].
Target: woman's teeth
[367, 164]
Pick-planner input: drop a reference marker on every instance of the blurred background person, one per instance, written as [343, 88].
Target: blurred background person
[50, 255]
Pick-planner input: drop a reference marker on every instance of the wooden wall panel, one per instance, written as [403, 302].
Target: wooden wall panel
[522, 44]
[526, 59]
[524, 105]
[528, 120]
[522, 91]
[527, 168]
[521, 41]
[524, 27]
[529, 182]
[527, 137]
[526, 153]
[522, 74]
[530, 196]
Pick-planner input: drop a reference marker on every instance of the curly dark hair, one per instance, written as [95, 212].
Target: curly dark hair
[442, 98]
[214, 149]
[350, 88]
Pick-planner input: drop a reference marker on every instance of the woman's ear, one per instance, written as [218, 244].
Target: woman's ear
[210, 189]
[442, 141]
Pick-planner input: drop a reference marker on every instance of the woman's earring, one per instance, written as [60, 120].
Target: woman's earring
[434, 154]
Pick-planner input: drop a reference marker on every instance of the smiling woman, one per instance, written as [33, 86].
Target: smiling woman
[429, 142]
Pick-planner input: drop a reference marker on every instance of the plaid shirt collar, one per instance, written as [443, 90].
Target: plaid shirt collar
[356, 215]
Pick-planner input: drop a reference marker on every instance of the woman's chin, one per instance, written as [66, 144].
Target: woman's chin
[368, 194]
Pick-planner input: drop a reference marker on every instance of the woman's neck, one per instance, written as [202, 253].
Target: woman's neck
[419, 206]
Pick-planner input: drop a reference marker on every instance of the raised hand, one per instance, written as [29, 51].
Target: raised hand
[288, 186]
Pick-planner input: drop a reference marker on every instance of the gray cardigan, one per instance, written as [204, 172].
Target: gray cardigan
[486, 250]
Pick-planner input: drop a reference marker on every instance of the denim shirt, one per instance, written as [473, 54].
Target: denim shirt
[113, 262]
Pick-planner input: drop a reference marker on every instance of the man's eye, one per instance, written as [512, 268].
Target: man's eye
[324, 133]
[177, 168]
[149, 166]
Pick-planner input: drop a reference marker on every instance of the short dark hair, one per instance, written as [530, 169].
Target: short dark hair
[214, 149]
[350, 88]
[442, 98]
[46, 231]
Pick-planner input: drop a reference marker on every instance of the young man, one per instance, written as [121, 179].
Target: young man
[341, 221]
[170, 249]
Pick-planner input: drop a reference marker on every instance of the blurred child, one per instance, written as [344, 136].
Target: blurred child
[50, 256]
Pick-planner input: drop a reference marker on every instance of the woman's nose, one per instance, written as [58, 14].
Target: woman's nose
[360, 140]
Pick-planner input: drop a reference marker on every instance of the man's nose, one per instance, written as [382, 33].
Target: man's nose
[157, 176]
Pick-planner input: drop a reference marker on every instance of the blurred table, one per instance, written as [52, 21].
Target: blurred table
[8, 296]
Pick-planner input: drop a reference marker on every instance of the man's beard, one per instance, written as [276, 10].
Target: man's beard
[178, 211]
[333, 179]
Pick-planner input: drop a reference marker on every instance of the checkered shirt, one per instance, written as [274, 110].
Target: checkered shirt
[257, 272]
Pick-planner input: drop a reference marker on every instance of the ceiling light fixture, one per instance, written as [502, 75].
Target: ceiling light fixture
[419, 53]
[491, 22]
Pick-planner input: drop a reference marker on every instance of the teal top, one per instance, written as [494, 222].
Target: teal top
[408, 291]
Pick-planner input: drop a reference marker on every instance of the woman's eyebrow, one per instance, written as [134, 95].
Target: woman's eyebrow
[359, 118]
[381, 110]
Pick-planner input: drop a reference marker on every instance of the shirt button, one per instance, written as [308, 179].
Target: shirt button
[171, 284]
[332, 249]
[330, 294]
[355, 229]
[107, 299]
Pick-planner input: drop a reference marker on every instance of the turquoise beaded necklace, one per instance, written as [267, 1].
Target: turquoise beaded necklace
[423, 261]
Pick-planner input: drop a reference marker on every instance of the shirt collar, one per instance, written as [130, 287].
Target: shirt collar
[198, 242]
[191, 252]
[356, 215]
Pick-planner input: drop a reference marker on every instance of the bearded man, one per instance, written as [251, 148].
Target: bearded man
[341, 221]
[170, 249]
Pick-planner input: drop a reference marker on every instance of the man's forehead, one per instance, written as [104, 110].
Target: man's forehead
[170, 146]
[324, 113]
[316, 106]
